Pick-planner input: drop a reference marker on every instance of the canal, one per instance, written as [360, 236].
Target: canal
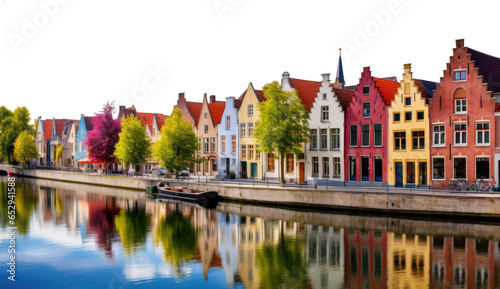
[83, 236]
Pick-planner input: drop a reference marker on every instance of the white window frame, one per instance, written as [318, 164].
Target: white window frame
[334, 134]
[363, 135]
[323, 137]
[455, 131]
[250, 129]
[222, 144]
[314, 139]
[444, 168]
[250, 110]
[381, 135]
[483, 132]
[461, 105]
[453, 164]
[437, 134]
[228, 122]
[459, 71]
[243, 129]
[367, 115]
[325, 113]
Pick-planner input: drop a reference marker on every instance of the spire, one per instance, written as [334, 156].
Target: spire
[339, 79]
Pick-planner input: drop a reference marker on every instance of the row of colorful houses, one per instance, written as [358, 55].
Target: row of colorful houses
[380, 132]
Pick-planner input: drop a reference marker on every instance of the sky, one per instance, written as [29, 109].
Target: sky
[64, 58]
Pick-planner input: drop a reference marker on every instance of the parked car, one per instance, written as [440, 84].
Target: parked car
[162, 171]
[184, 173]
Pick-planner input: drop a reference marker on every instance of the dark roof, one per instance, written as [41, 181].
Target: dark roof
[489, 68]
[344, 95]
[88, 123]
[426, 87]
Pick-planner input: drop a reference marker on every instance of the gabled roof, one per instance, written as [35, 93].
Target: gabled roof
[306, 90]
[489, 68]
[217, 110]
[195, 109]
[344, 95]
[258, 93]
[88, 122]
[60, 124]
[147, 119]
[47, 129]
[387, 88]
[426, 87]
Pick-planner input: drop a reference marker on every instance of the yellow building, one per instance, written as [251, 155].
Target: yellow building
[408, 133]
[248, 116]
[408, 261]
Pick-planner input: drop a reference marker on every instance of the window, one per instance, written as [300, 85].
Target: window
[459, 166]
[460, 133]
[438, 131]
[354, 135]
[410, 172]
[366, 110]
[336, 167]
[250, 152]
[460, 75]
[408, 116]
[206, 166]
[315, 167]
[366, 89]
[206, 128]
[460, 105]
[222, 143]
[257, 152]
[270, 162]
[228, 122]
[233, 143]
[289, 163]
[365, 137]
[205, 145]
[250, 129]
[407, 101]
[243, 151]
[243, 129]
[420, 115]
[324, 113]
[483, 133]
[418, 140]
[365, 171]
[482, 168]
[400, 141]
[199, 144]
[250, 110]
[397, 116]
[438, 168]
[377, 169]
[326, 167]
[212, 145]
[324, 96]
[334, 138]
[205, 116]
[324, 138]
[314, 139]
[377, 128]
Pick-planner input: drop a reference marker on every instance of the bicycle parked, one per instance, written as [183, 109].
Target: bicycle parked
[458, 185]
[476, 186]
[482, 185]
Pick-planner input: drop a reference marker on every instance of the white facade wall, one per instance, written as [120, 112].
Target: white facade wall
[326, 98]
[233, 157]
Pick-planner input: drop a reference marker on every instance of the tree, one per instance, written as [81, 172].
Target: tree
[175, 150]
[59, 154]
[24, 148]
[11, 125]
[283, 127]
[134, 147]
[101, 141]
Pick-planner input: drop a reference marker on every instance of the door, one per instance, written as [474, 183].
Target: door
[399, 174]
[422, 173]
[243, 170]
[352, 168]
[227, 167]
[302, 171]
[377, 166]
[365, 171]
[253, 170]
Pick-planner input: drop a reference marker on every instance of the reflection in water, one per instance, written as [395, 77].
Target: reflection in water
[111, 235]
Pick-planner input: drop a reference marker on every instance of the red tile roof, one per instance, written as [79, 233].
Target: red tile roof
[195, 110]
[387, 88]
[47, 129]
[59, 124]
[147, 119]
[217, 110]
[260, 95]
[344, 95]
[307, 91]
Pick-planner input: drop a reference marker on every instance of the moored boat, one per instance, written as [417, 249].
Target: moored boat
[187, 194]
[10, 174]
[152, 189]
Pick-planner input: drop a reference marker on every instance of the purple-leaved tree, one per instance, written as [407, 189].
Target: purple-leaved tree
[101, 141]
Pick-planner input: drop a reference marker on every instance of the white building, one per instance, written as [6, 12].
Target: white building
[228, 140]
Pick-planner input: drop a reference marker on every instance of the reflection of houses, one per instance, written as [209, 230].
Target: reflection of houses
[325, 256]
[408, 265]
[228, 244]
[206, 223]
[461, 262]
[365, 259]
[251, 237]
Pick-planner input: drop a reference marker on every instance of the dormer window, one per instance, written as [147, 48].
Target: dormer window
[460, 75]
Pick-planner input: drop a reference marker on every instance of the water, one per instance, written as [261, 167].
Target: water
[81, 236]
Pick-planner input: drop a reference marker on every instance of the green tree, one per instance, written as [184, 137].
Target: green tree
[283, 127]
[132, 226]
[175, 150]
[11, 125]
[134, 147]
[26, 202]
[24, 148]
[59, 154]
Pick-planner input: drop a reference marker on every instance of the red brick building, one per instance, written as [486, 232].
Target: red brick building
[462, 117]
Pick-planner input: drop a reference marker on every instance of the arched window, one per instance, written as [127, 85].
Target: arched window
[460, 100]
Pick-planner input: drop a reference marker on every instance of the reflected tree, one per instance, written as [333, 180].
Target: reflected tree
[25, 201]
[179, 239]
[282, 265]
[132, 226]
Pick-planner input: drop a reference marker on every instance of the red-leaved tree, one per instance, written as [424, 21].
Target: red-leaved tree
[101, 141]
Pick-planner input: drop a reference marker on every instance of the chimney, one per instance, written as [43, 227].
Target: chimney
[460, 43]
[407, 67]
[212, 98]
[181, 96]
[326, 77]
[286, 84]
